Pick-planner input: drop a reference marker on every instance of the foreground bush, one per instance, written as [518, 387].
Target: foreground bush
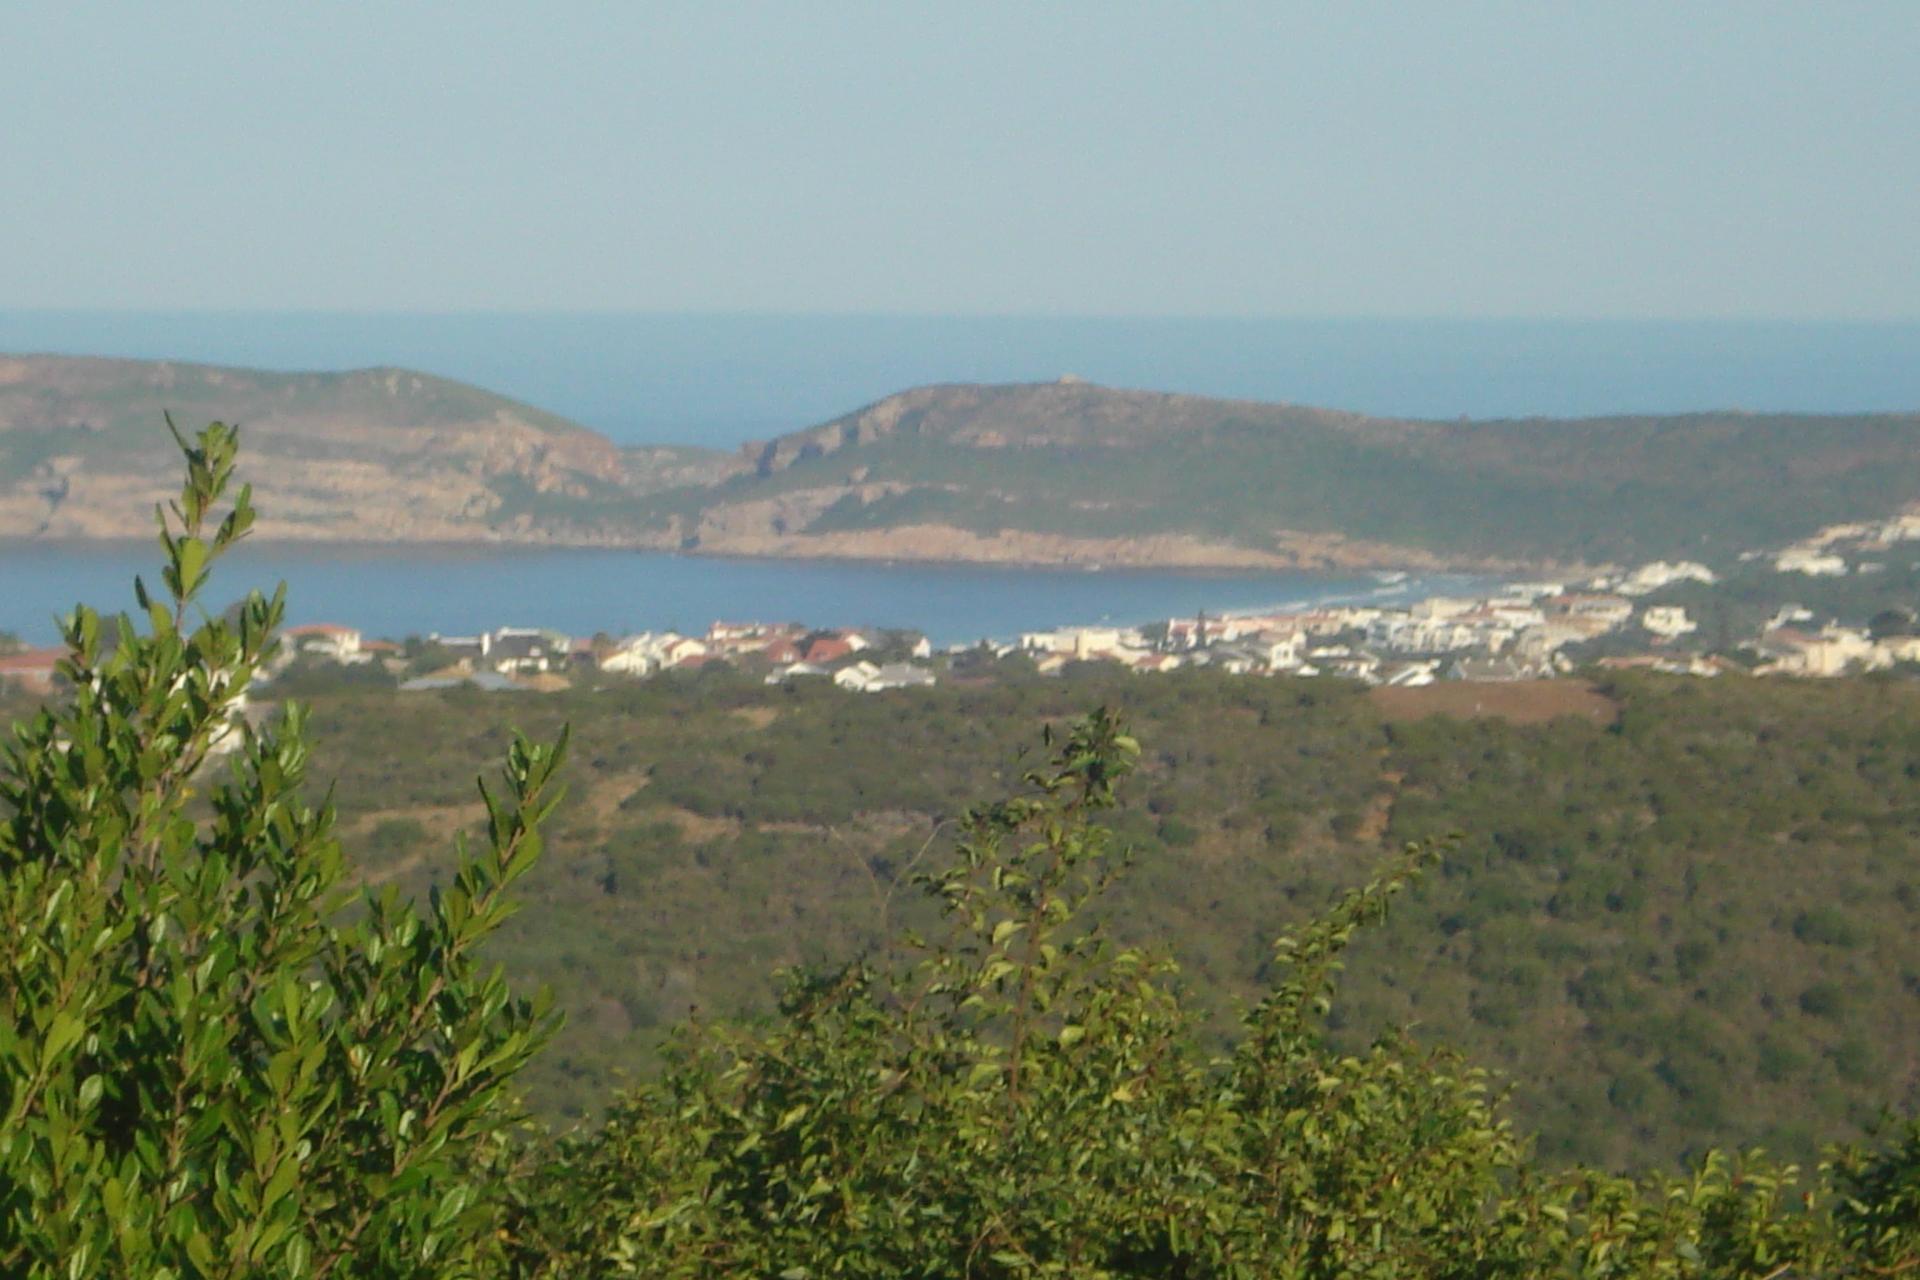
[1027, 1100]
[203, 1071]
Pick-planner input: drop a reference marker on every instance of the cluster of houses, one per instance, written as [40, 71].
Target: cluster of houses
[789, 651]
[1840, 549]
[1519, 633]
[1524, 630]
[1792, 644]
[540, 659]
[1649, 578]
[1527, 630]
[1310, 643]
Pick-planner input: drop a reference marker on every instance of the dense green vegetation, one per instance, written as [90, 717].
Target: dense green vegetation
[1642, 928]
[1092, 461]
[212, 1065]
[1027, 1097]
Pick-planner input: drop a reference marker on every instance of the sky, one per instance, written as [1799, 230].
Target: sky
[1446, 159]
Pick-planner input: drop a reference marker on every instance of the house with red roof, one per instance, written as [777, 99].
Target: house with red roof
[327, 639]
[31, 668]
[829, 648]
[781, 653]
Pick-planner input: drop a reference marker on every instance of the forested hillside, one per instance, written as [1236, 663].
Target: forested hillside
[1681, 912]
[1021, 466]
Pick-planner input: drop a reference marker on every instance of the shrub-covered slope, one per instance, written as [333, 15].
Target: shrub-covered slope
[1020, 464]
[1680, 916]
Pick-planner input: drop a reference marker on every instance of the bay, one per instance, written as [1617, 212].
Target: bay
[396, 592]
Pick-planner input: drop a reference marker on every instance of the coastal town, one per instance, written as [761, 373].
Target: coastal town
[1630, 617]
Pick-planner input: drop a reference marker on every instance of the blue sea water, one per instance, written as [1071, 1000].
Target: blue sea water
[395, 592]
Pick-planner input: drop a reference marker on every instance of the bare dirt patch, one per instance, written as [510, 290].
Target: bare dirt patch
[698, 828]
[1379, 811]
[440, 821]
[757, 717]
[1520, 702]
[602, 798]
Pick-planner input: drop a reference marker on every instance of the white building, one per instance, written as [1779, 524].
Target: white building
[1815, 564]
[650, 651]
[1437, 607]
[1830, 652]
[1526, 592]
[1649, 578]
[1282, 649]
[1611, 610]
[342, 644]
[526, 650]
[1079, 642]
[635, 656]
[1901, 648]
[865, 677]
[794, 671]
[682, 649]
[1667, 620]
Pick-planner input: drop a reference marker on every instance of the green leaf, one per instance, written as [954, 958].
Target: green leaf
[62, 1034]
[283, 1180]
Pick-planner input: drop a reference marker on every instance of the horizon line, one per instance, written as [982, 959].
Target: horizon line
[877, 314]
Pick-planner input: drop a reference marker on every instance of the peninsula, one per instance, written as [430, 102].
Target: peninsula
[1063, 473]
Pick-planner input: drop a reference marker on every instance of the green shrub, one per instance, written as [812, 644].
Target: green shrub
[202, 1071]
[1031, 1100]
[1176, 833]
[392, 837]
[1777, 1059]
[1824, 1000]
[1828, 926]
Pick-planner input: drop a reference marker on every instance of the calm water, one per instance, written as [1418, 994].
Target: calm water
[398, 592]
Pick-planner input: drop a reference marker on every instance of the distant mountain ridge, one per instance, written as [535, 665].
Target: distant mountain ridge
[1066, 413]
[1063, 472]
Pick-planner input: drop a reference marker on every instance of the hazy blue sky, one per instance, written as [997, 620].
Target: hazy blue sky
[1434, 159]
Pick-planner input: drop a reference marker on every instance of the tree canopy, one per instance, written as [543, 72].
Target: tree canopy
[206, 1069]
